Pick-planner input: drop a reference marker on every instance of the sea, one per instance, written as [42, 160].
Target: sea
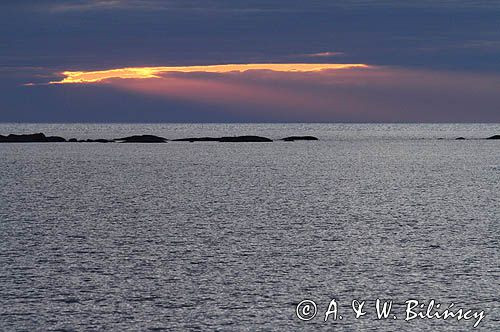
[279, 236]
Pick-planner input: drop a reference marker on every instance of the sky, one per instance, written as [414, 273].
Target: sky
[249, 61]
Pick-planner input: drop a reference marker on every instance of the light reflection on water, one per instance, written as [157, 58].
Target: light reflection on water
[232, 236]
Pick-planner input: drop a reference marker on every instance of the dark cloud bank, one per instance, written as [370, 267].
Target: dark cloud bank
[435, 39]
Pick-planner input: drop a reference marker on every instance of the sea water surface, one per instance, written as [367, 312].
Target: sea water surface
[232, 236]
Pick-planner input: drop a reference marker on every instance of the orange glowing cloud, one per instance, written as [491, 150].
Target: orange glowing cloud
[155, 72]
[305, 91]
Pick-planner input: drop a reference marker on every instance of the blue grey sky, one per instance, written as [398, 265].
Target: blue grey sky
[430, 61]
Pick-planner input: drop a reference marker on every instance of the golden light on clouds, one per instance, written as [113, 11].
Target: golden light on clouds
[154, 72]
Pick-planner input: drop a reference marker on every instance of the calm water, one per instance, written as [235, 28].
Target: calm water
[232, 236]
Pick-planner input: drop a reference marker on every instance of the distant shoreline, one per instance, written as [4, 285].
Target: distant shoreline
[42, 138]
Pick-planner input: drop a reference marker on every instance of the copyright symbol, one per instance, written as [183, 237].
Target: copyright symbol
[306, 310]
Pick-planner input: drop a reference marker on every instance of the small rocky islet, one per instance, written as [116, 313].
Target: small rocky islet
[299, 138]
[461, 138]
[42, 138]
[30, 138]
[225, 139]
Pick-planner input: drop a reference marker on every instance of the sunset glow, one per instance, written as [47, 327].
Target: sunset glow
[154, 72]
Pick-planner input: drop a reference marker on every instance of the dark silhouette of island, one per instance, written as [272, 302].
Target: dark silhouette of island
[30, 138]
[491, 137]
[197, 139]
[225, 139]
[42, 138]
[141, 139]
[299, 138]
[99, 140]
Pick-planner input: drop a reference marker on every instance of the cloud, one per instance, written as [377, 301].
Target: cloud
[154, 72]
[472, 45]
[419, 4]
[361, 94]
[93, 5]
[252, 6]
[322, 54]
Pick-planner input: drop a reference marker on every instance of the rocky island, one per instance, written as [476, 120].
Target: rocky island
[42, 138]
[30, 138]
[299, 138]
[225, 139]
[141, 139]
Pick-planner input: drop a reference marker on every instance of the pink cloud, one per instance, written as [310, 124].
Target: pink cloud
[357, 94]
